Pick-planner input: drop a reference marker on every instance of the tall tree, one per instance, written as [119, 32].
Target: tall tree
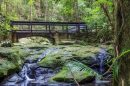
[122, 36]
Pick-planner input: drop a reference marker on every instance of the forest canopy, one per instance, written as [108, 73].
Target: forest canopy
[93, 12]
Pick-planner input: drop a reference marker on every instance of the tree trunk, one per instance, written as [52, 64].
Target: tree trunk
[38, 8]
[46, 11]
[75, 13]
[122, 34]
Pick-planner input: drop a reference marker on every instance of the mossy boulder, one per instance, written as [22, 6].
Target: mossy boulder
[83, 51]
[13, 52]
[55, 59]
[88, 55]
[75, 70]
[6, 67]
[85, 54]
[11, 59]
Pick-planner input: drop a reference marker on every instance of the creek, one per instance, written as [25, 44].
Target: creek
[32, 74]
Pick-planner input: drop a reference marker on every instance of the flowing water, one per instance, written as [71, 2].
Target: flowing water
[33, 75]
[102, 57]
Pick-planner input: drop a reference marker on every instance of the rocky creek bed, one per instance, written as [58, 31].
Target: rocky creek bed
[61, 65]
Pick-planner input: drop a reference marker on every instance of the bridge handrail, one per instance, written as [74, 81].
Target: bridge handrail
[47, 23]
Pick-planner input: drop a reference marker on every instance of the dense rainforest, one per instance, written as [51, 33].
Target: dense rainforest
[64, 43]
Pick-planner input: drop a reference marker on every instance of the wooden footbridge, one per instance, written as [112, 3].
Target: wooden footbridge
[50, 30]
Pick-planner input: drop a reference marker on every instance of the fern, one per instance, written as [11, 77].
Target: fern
[116, 64]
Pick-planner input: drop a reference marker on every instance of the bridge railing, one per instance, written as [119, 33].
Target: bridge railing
[62, 27]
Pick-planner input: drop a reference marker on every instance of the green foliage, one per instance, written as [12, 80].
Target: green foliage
[117, 62]
[31, 2]
[104, 34]
[6, 43]
[94, 14]
[115, 70]
[4, 25]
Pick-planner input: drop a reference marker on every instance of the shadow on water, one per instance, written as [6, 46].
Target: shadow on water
[33, 75]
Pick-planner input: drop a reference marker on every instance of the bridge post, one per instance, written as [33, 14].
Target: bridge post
[13, 36]
[62, 28]
[57, 37]
[49, 29]
[86, 31]
[46, 27]
[78, 28]
[67, 29]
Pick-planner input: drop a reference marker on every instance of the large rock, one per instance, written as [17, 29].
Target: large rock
[13, 53]
[6, 67]
[75, 70]
[88, 55]
[11, 59]
[84, 54]
[55, 59]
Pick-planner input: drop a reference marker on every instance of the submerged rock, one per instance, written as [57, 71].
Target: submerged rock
[75, 70]
[15, 78]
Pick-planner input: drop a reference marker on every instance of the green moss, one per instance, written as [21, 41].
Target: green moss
[55, 59]
[77, 52]
[83, 51]
[5, 66]
[84, 54]
[75, 70]
[11, 59]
